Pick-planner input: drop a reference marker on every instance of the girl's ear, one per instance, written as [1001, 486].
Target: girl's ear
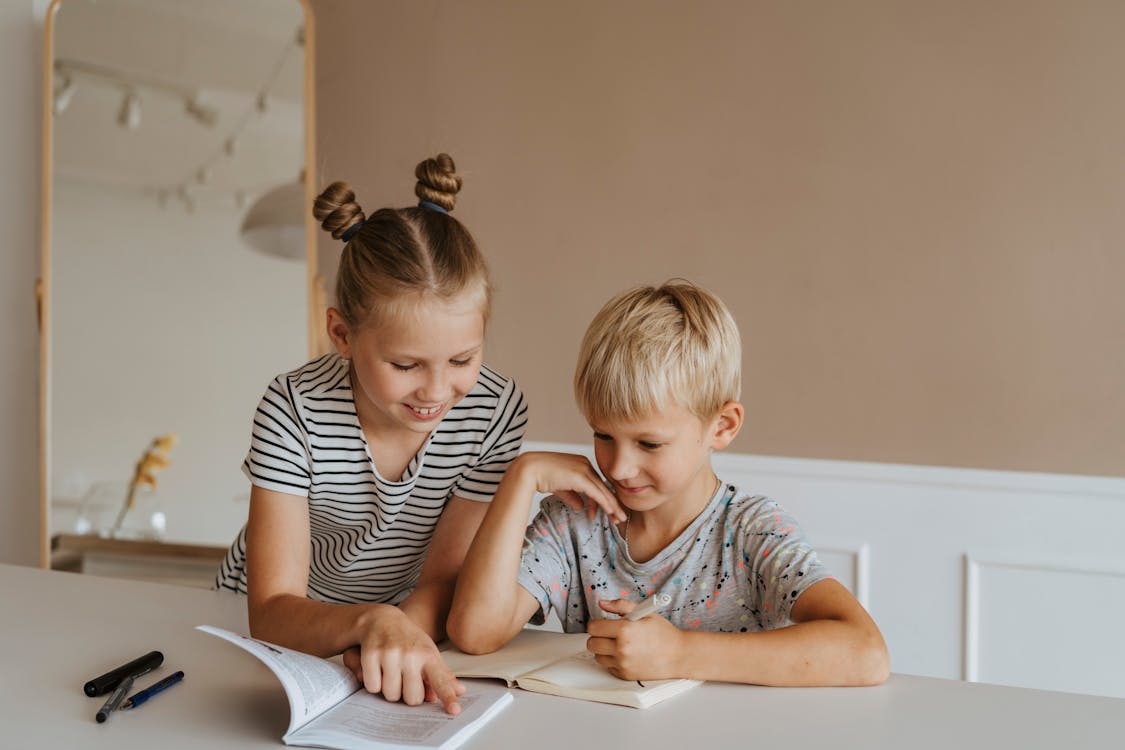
[727, 424]
[339, 333]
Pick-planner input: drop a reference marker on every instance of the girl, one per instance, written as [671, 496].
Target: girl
[372, 466]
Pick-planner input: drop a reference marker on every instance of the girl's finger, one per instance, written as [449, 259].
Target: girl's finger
[445, 686]
[413, 690]
[372, 674]
[392, 678]
[352, 662]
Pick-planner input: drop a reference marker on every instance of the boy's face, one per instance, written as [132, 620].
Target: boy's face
[665, 457]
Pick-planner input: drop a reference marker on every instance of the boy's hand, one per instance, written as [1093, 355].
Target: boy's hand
[645, 649]
[572, 478]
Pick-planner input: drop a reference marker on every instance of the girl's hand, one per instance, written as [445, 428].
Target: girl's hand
[396, 658]
[572, 478]
[645, 649]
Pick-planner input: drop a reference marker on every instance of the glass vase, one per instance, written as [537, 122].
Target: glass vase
[102, 506]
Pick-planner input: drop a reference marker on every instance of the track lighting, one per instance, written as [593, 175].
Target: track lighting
[129, 115]
[202, 114]
[131, 85]
[189, 200]
[64, 93]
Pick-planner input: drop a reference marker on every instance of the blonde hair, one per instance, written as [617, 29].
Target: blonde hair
[403, 252]
[651, 344]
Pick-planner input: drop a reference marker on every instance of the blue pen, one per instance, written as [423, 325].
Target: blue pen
[141, 696]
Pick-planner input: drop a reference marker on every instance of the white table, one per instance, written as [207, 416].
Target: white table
[58, 630]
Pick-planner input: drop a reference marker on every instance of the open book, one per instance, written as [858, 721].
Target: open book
[329, 708]
[559, 664]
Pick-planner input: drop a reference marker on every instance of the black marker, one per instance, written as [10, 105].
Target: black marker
[108, 681]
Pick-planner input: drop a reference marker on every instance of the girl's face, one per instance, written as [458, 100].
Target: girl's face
[410, 369]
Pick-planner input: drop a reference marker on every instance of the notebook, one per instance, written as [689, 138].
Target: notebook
[559, 664]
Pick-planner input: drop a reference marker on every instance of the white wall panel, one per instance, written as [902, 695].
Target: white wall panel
[1043, 624]
[849, 564]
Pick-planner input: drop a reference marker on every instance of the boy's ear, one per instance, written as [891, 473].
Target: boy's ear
[339, 333]
[727, 425]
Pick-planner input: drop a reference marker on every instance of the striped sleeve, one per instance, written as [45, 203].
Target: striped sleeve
[501, 445]
[279, 456]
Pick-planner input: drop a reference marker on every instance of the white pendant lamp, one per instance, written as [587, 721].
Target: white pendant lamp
[275, 223]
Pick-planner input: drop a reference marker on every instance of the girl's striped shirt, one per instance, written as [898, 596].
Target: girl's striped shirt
[368, 535]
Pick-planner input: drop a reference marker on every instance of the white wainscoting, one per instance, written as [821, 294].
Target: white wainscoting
[1008, 577]
[1033, 623]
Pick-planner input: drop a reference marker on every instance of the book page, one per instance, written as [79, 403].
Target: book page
[528, 651]
[366, 722]
[580, 676]
[313, 685]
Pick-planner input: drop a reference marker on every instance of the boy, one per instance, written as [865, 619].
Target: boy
[658, 379]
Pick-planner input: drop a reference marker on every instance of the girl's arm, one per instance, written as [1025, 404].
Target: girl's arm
[398, 656]
[489, 606]
[833, 641]
[428, 604]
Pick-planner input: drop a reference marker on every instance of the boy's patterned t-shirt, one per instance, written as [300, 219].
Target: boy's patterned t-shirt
[738, 567]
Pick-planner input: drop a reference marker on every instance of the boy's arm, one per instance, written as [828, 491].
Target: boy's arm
[834, 641]
[489, 605]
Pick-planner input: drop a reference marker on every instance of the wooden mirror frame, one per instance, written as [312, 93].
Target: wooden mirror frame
[314, 286]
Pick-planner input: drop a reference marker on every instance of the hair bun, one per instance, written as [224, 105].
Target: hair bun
[336, 209]
[438, 181]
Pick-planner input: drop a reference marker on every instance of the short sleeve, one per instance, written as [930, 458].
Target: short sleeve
[544, 568]
[778, 559]
[502, 443]
[279, 456]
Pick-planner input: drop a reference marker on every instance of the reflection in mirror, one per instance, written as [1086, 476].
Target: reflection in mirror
[174, 124]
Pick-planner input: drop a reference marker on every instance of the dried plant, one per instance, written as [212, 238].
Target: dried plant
[154, 459]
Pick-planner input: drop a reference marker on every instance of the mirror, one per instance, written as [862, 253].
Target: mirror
[177, 256]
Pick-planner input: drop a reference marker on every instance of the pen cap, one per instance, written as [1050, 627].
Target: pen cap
[104, 683]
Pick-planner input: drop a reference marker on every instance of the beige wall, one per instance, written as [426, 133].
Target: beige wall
[914, 210]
